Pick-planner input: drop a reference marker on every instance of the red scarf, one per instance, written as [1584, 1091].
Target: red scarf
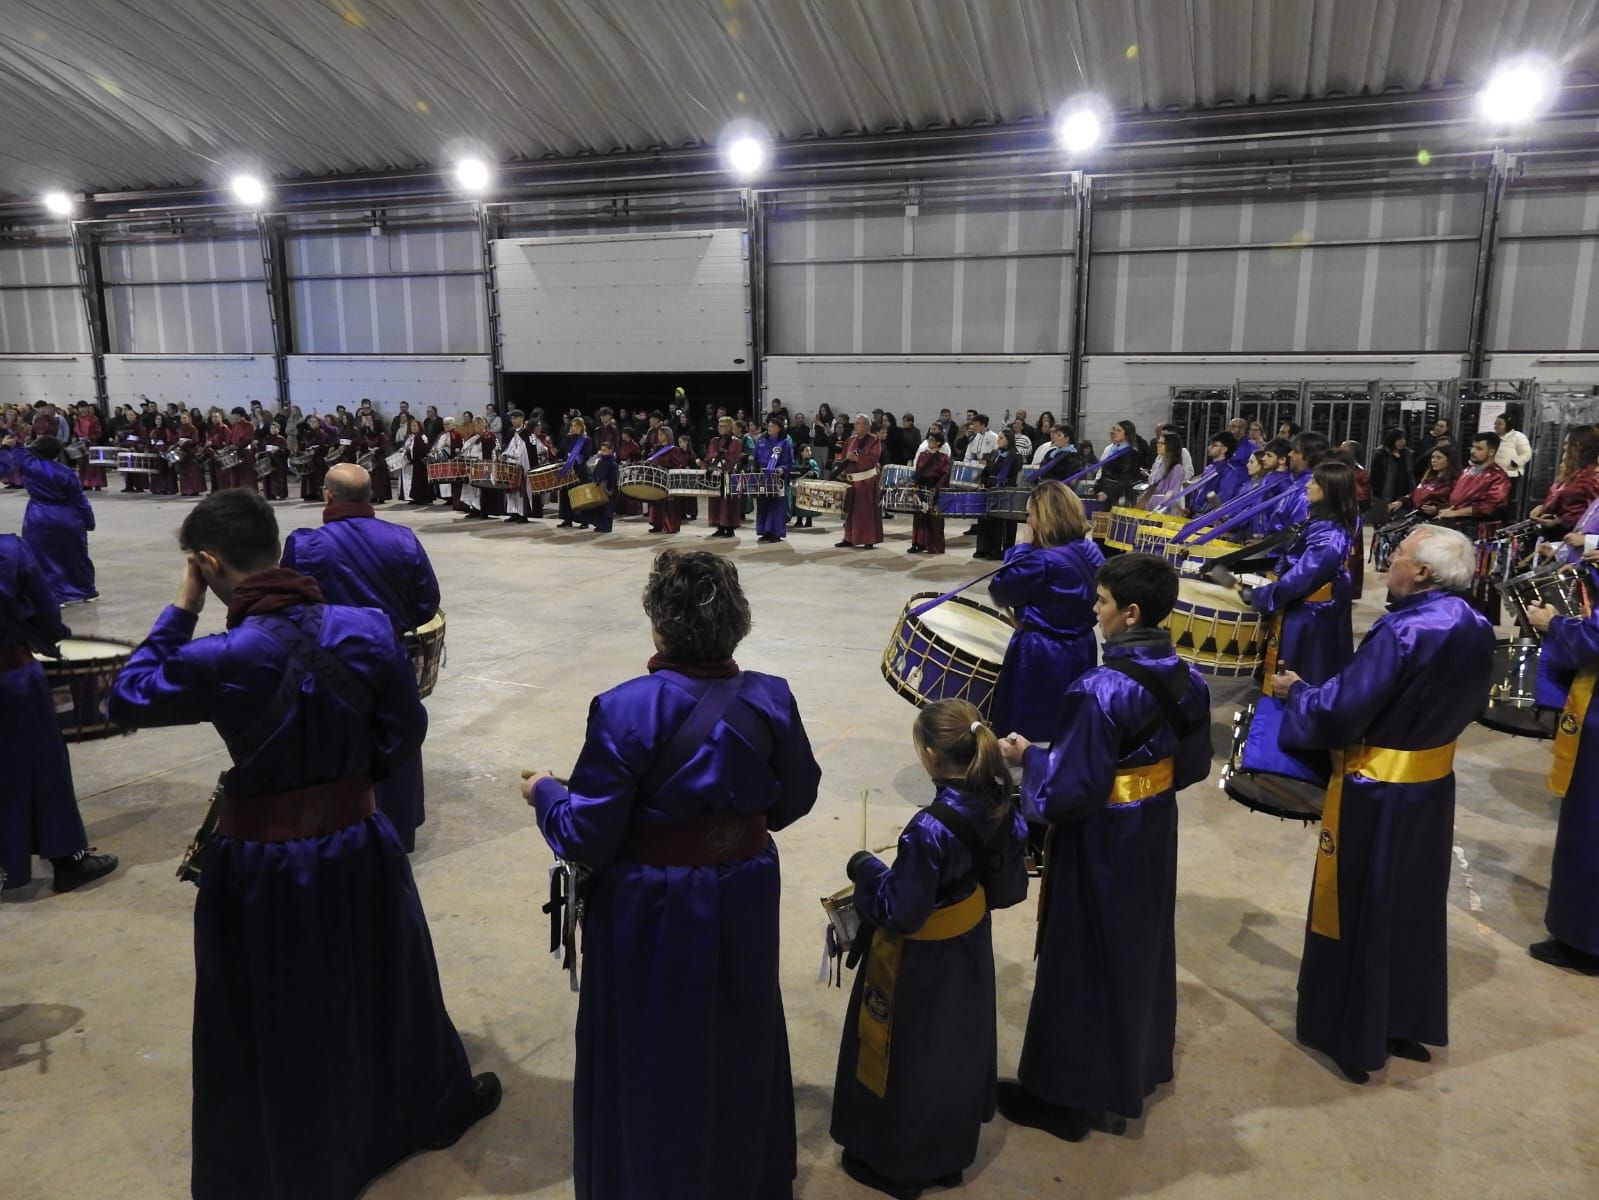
[270, 590]
[724, 668]
[343, 510]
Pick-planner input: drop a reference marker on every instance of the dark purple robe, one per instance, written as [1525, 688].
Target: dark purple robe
[1103, 1021]
[1052, 590]
[1292, 507]
[943, 1064]
[774, 456]
[56, 524]
[322, 1050]
[575, 451]
[368, 563]
[39, 815]
[682, 1086]
[1386, 975]
[606, 473]
[1317, 635]
[1572, 645]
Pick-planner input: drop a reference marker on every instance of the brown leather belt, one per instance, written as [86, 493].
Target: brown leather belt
[13, 656]
[307, 812]
[701, 842]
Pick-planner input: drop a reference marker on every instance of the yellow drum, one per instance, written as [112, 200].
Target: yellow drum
[1125, 524]
[1215, 631]
[1185, 556]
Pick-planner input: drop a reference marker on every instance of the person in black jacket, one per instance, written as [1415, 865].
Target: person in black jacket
[1121, 472]
[1393, 469]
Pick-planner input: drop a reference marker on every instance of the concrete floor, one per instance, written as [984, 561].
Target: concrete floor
[95, 987]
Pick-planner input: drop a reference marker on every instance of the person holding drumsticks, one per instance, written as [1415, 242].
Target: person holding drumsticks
[1309, 600]
[1048, 582]
[863, 515]
[682, 1084]
[1571, 655]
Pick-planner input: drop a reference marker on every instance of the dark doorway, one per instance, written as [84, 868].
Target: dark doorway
[556, 393]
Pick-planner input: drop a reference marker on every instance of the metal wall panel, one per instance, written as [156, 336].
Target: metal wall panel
[61, 379]
[188, 296]
[974, 273]
[40, 309]
[456, 383]
[191, 380]
[1333, 273]
[625, 302]
[1542, 290]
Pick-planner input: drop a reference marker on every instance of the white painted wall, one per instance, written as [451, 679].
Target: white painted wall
[916, 384]
[59, 378]
[455, 383]
[191, 380]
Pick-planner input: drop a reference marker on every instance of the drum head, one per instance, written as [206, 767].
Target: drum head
[89, 652]
[972, 628]
[1276, 795]
[1198, 593]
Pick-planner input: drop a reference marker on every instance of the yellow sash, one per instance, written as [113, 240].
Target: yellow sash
[874, 1022]
[1363, 762]
[1568, 734]
[1274, 636]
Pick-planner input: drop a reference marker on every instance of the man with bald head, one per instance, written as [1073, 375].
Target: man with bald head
[365, 562]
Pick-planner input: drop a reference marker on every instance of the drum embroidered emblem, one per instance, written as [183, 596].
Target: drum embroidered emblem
[722, 839]
[1327, 844]
[876, 1003]
[1568, 723]
[915, 679]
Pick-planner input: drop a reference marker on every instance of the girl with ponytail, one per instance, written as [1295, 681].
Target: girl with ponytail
[917, 1064]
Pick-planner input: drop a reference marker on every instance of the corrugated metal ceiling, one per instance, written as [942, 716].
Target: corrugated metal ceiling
[108, 94]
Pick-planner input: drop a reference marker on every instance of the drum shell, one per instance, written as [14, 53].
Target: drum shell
[1263, 775]
[1215, 632]
[691, 481]
[820, 495]
[396, 462]
[965, 475]
[963, 503]
[756, 483]
[81, 685]
[909, 500]
[425, 645]
[586, 496]
[445, 472]
[137, 462]
[230, 458]
[1522, 700]
[495, 475]
[103, 456]
[552, 478]
[1008, 504]
[265, 464]
[898, 476]
[923, 666]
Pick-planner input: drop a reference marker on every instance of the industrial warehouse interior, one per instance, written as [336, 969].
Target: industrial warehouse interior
[986, 597]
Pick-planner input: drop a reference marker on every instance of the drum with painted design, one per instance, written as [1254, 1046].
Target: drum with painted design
[952, 651]
[80, 685]
[425, 645]
[496, 475]
[820, 495]
[1215, 631]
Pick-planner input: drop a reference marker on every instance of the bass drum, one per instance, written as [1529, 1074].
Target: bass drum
[1215, 631]
[953, 650]
[80, 685]
[425, 645]
[1520, 702]
[1262, 775]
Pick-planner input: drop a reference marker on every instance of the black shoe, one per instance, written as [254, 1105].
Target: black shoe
[1021, 1107]
[867, 546]
[1557, 954]
[657, 531]
[862, 1173]
[1355, 1074]
[768, 539]
[485, 1099]
[970, 532]
[516, 519]
[914, 550]
[843, 545]
[564, 525]
[75, 872]
[1409, 1049]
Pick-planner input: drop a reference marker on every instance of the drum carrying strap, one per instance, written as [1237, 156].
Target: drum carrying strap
[1381, 766]
[1568, 733]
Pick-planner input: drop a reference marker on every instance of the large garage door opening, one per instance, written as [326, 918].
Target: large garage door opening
[637, 392]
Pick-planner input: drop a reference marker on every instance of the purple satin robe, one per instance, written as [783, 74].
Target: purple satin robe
[1572, 645]
[771, 512]
[944, 1061]
[56, 524]
[39, 815]
[1292, 507]
[1103, 1020]
[1259, 525]
[1052, 591]
[682, 1085]
[1317, 635]
[322, 1049]
[1387, 975]
[365, 562]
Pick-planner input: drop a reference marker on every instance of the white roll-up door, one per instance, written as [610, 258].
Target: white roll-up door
[666, 301]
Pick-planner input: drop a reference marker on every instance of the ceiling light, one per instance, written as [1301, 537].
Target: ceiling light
[1517, 91]
[746, 155]
[58, 204]
[248, 190]
[472, 175]
[1079, 128]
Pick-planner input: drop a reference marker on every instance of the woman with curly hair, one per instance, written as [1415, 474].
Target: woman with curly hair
[682, 1084]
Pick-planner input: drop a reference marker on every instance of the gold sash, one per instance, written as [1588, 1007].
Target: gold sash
[1568, 734]
[874, 1023]
[1363, 762]
[1274, 635]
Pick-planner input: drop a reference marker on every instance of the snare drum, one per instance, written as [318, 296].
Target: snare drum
[447, 471]
[641, 481]
[1263, 775]
[1521, 701]
[966, 475]
[1008, 504]
[820, 495]
[952, 651]
[230, 457]
[551, 478]
[963, 504]
[496, 475]
[691, 481]
[425, 645]
[300, 464]
[586, 496]
[265, 464]
[80, 684]
[396, 462]
[138, 462]
[74, 450]
[174, 456]
[330, 456]
[103, 456]
[908, 500]
[1215, 632]
[756, 483]
[898, 477]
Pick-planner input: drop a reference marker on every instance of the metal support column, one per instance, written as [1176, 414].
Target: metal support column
[91, 290]
[487, 230]
[1082, 193]
[270, 232]
[1487, 248]
[755, 253]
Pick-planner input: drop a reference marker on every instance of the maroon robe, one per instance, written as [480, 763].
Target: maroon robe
[165, 481]
[667, 515]
[421, 490]
[376, 441]
[276, 485]
[626, 506]
[241, 436]
[191, 476]
[932, 474]
[216, 440]
[726, 453]
[87, 429]
[863, 513]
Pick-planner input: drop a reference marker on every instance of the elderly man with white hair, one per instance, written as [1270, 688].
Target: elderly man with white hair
[1374, 979]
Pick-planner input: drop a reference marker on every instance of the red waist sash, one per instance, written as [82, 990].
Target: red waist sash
[306, 812]
[701, 842]
[13, 656]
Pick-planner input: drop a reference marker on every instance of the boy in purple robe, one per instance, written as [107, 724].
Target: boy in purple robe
[58, 519]
[1309, 600]
[1374, 978]
[914, 1090]
[39, 812]
[607, 473]
[774, 454]
[1571, 654]
[682, 1084]
[322, 1050]
[1305, 452]
[1129, 735]
[365, 562]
